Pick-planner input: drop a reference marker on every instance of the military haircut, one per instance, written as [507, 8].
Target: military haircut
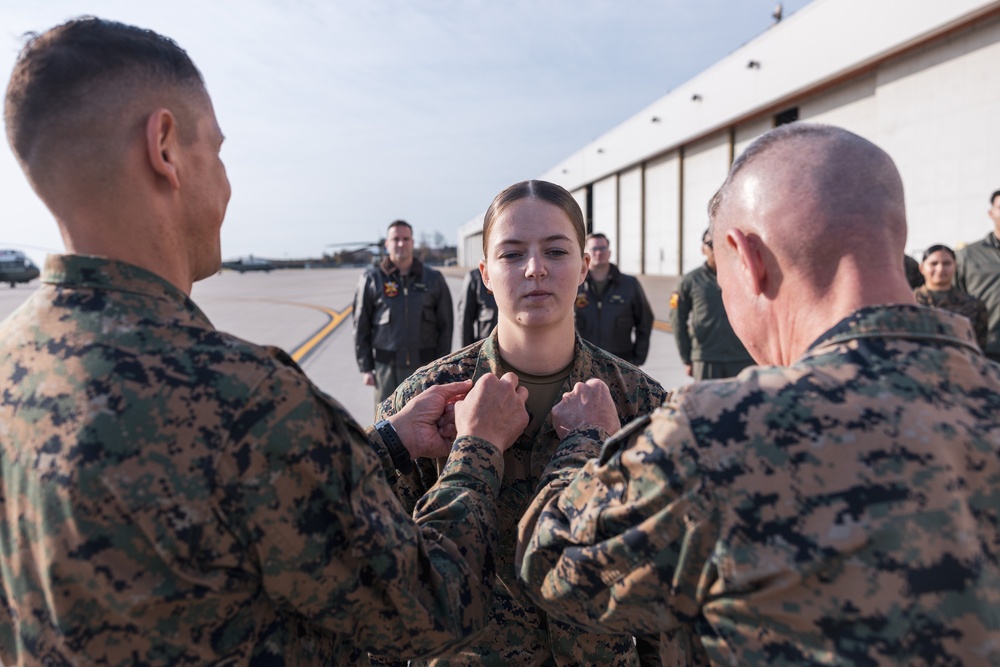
[399, 223]
[543, 191]
[772, 140]
[82, 70]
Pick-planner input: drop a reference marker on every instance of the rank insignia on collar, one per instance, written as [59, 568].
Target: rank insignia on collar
[581, 300]
[391, 288]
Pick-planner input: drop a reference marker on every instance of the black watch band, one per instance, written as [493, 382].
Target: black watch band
[397, 452]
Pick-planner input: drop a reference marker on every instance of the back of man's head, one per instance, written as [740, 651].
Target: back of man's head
[819, 194]
[76, 88]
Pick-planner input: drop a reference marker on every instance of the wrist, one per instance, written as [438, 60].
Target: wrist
[397, 451]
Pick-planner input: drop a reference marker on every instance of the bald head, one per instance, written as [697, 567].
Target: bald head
[817, 194]
[79, 91]
[808, 227]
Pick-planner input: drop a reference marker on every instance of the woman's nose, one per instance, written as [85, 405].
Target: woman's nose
[535, 267]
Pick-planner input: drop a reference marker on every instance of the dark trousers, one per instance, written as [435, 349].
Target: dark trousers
[714, 370]
[388, 377]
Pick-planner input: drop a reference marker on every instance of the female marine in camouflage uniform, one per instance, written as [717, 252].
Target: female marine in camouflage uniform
[533, 237]
[938, 269]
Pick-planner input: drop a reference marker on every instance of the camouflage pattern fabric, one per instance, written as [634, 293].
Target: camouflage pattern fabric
[844, 510]
[518, 632]
[173, 495]
[959, 302]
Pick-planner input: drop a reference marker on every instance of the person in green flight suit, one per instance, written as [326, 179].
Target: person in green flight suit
[705, 339]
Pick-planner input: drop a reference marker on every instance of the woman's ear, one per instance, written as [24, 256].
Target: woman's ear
[484, 271]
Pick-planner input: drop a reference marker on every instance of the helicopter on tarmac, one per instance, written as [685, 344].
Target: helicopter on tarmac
[16, 268]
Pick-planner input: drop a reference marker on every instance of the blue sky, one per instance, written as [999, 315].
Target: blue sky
[342, 116]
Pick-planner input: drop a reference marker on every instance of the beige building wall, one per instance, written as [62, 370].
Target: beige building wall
[605, 208]
[746, 132]
[662, 197]
[920, 80]
[628, 253]
[705, 166]
[939, 119]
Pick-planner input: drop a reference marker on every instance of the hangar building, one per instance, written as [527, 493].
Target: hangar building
[920, 78]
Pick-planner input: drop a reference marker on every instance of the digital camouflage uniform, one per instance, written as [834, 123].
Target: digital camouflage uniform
[519, 634]
[959, 302]
[844, 510]
[705, 338]
[174, 495]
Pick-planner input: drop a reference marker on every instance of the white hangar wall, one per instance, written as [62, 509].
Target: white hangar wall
[920, 79]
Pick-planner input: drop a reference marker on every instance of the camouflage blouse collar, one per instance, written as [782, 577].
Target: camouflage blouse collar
[92, 272]
[489, 359]
[900, 321]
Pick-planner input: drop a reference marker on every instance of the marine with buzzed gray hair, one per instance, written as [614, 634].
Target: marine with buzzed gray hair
[839, 504]
[169, 493]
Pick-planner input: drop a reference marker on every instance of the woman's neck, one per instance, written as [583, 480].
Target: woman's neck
[537, 351]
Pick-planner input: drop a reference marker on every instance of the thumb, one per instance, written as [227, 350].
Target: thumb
[452, 389]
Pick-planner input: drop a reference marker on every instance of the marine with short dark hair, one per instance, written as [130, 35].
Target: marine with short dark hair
[612, 311]
[172, 494]
[402, 315]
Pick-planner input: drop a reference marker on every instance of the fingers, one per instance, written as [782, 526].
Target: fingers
[511, 379]
[450, 392]
[493, 410]
[587, 404]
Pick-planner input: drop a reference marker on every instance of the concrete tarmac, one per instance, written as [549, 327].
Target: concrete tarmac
[287, 308]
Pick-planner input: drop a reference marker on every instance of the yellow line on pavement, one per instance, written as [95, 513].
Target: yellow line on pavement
[336, 318]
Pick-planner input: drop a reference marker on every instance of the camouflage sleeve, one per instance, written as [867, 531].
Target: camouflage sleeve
[333, 542]
[651, 396]
[409, 488]
[625, 545]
